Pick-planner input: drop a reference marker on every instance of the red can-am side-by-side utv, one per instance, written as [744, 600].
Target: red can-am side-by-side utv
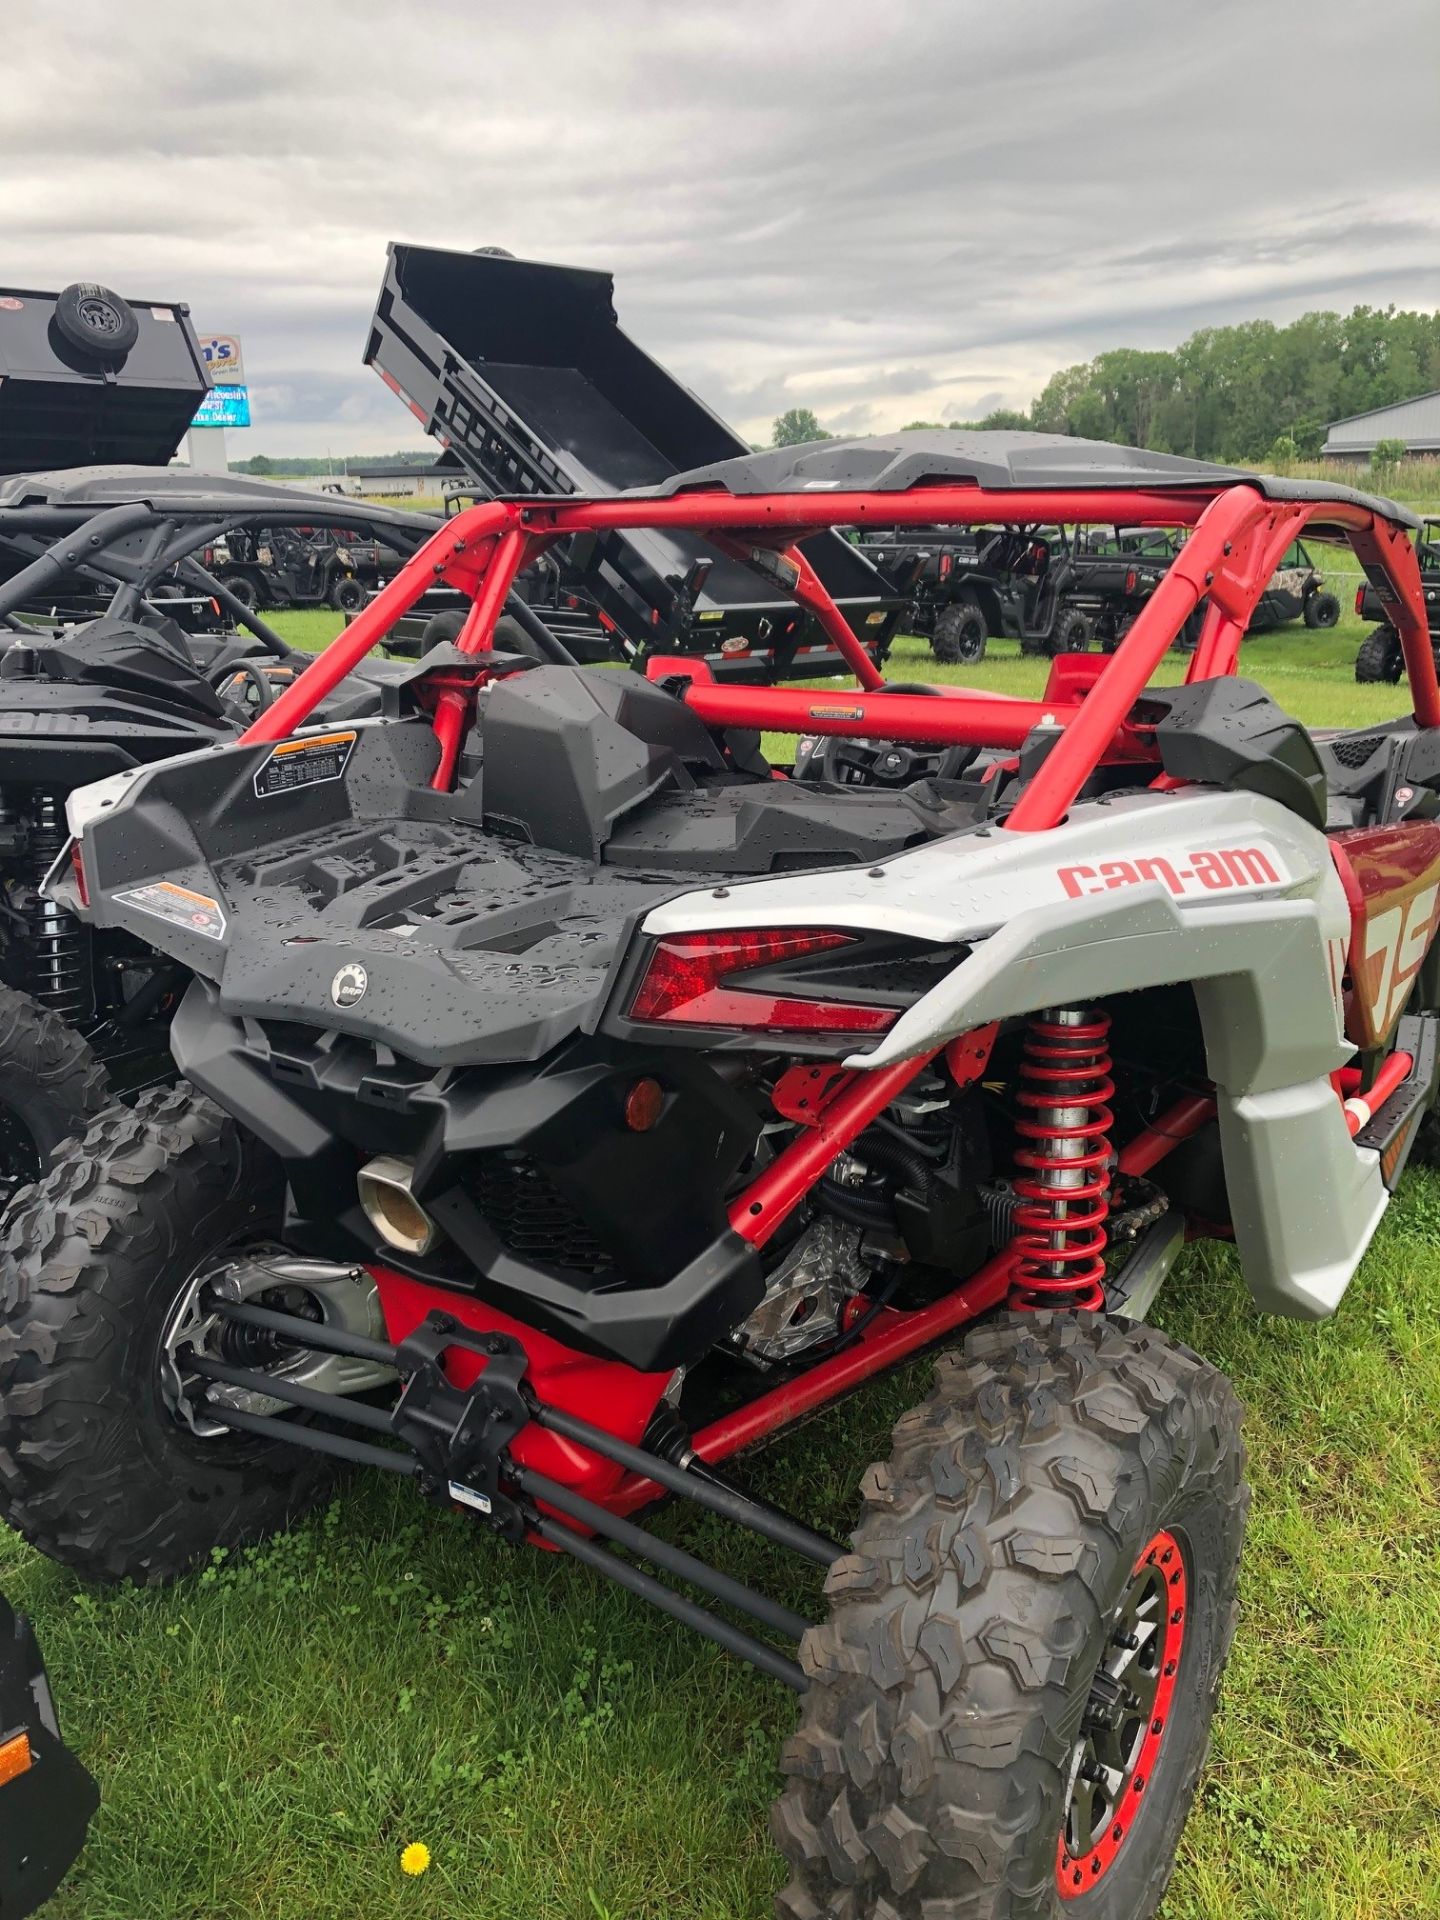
[579, 1101]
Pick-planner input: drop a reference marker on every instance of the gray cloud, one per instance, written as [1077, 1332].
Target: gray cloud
[914, 210]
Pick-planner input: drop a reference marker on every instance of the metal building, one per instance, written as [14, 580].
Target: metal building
[1416, 422]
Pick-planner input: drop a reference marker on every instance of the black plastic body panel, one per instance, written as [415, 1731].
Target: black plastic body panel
[669, 1278]
[45, 1811]
[1230, 733]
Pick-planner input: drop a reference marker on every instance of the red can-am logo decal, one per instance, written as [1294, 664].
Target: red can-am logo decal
[1210, 870]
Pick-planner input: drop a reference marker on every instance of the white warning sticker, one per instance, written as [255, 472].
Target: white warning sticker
[181, 906]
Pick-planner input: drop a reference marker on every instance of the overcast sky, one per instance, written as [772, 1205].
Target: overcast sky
[877, 209]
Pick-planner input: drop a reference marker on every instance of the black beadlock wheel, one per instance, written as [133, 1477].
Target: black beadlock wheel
[95, 1469]
[1074, 633]
[959, 635]
[347, 594]
[1321, 610]
[1380, 657]
[1010, 1701]
[51, 1086]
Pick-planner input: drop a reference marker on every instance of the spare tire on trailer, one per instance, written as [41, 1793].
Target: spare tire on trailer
[96, 321]
[1321, 610]
[1380, 657]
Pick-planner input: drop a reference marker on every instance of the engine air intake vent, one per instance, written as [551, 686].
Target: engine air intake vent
[1354, 753]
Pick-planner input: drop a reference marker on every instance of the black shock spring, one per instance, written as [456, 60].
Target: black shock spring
[62, 977]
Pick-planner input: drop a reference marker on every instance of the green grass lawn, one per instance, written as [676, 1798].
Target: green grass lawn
[270, 1733]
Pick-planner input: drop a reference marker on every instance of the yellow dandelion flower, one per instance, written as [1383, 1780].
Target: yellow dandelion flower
[416, 1858]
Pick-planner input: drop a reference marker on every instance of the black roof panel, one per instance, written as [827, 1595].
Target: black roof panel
[179, 487]
[897, 462]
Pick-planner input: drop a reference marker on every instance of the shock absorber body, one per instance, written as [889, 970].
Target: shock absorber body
[62, 977]
[1064, 1186]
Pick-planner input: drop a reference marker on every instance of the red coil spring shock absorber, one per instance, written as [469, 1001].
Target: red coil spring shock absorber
[1064, 1191]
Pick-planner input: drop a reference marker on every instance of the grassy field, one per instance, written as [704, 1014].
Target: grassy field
[272, 1732]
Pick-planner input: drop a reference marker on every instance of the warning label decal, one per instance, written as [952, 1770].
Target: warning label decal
[308, 762]
[181, 906]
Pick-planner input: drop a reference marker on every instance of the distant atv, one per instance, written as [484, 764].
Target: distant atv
[281, 567]
[1123, 567]
[1380, 657]
[573, 1104]
[972, 585]
[1296, 591]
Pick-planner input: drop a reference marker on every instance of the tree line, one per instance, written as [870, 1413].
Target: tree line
[1251, 392]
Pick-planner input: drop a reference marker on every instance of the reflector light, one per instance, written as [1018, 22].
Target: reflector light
[688, 979]
[1360, 598]
[77, 868]
[643, 1105]
[15, 1757]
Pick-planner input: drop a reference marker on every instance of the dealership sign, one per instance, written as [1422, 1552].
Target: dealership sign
[225, 406]
[223, 359]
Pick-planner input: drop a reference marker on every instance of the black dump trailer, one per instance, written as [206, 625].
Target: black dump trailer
[90, 379]
[523, 374]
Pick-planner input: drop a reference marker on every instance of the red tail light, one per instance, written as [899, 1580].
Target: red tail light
[1360, 598]
[947, 561]
[689, 978]
[1131, 580]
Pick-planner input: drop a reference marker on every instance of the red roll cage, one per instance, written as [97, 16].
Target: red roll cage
[1238, 538]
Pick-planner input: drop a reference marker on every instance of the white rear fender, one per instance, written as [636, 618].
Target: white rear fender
[1226, 892]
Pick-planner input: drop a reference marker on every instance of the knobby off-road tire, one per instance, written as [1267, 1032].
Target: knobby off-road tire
[1380, 657]
[1321, 610]
[51, 1085]
[959, 637]
[347, 594]
[928, 1779]
[242, 587]
[95, 1471]
[1074, 632]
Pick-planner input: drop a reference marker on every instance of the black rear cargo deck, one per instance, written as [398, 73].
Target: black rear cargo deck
[487, 921]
